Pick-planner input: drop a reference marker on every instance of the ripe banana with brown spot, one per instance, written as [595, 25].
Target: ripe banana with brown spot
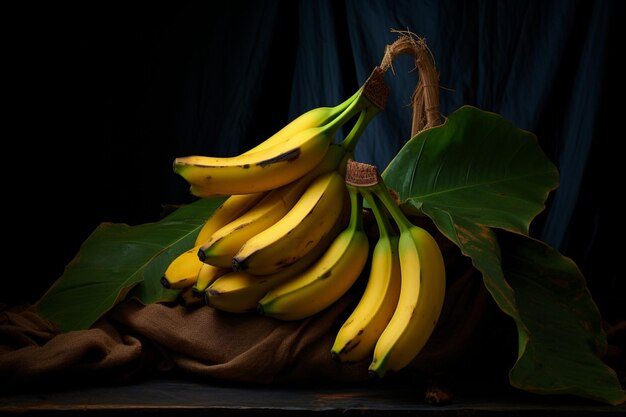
[422, 286]
[357, 337]
[240, 291]
[225, 242]
[328, 278]
[270, 166]
[233, 207]
[298, 231]
[335, 160]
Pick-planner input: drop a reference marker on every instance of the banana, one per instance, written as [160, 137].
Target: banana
[233, 207]
[206, 276]
[313, 118]
[291, 237]
[422, 285]
[356, 339]
[183, 270]
[225, 242]
[268, 167]
[186, 269]
[240, 292]
[298, 231]
[328, 278]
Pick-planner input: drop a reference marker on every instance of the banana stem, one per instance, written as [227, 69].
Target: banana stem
[388, 201]
[345, 104]
[356, 208]
[366, 178]
[384, 227]
[353, 108]
[366, 116]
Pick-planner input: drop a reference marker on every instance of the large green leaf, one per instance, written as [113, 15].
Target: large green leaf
[561, 339]
[118, 258]
[477, 165]
[477, 172]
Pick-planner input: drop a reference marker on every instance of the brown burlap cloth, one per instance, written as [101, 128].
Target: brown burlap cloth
[133, 339]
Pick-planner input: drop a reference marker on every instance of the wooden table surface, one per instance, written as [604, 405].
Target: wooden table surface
[181, 398]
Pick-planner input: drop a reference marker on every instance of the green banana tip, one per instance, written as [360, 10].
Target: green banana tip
[177, 165]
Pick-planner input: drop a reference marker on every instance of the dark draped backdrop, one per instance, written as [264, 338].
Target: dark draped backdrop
[102, 96]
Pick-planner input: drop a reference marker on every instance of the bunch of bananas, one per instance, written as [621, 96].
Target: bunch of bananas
[287, 202]
[404, 295]
[289, 240]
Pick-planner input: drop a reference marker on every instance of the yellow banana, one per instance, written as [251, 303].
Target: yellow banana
[422, 287]
[298, 231]
[313, 118]
[233, 207]
[206, 276]
[357, 337]
[183, 270]
[269, 167]
[225, 242]
[328, 278]
[240, 292]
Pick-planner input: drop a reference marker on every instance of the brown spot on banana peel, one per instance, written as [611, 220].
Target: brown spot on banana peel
[288, 156]
[285, 262]
[326, 275]
[349, 346]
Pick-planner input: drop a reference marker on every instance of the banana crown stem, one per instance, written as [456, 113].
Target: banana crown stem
[384, 227]
[346, 103]
[366, 178]
[366, 116]
[398, 215]
[356, 209]
[354, 107]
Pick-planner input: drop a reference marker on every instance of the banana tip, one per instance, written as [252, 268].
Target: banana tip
[238, 264]
[201, 255]
[373, 374]
[165, 283]
[177, 165]
[259, 309]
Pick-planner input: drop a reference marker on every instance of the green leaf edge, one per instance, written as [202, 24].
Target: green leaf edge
[617, 396]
